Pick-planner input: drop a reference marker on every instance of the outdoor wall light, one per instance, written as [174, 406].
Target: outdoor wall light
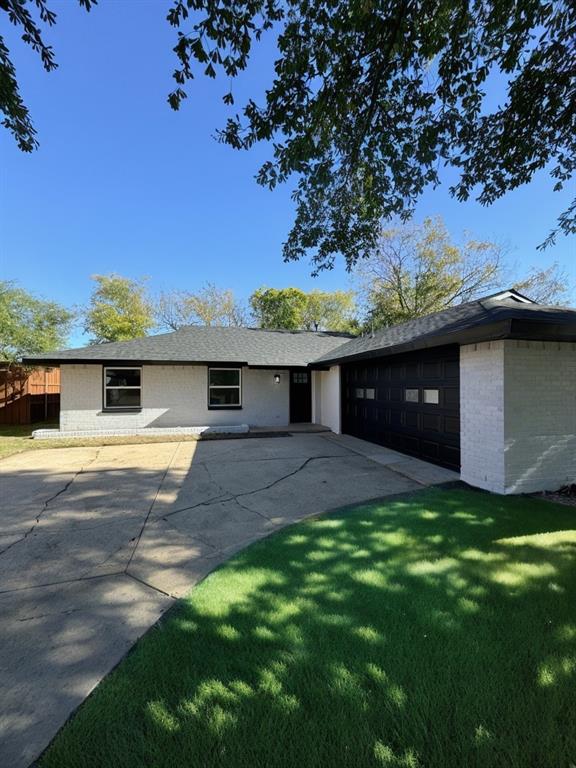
[276, 378]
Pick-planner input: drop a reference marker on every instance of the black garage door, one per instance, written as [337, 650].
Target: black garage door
[408, 402]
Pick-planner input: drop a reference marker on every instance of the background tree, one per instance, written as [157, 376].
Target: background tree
[119, 309]
[330, 311]
[296, 310]
[29, 324]
[279, 307]
[546, 286]
[208, 306]
[416, 270]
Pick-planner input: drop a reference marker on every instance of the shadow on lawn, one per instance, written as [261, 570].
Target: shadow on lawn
[437, 629]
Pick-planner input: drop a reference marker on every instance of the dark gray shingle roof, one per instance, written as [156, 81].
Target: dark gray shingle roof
[493, 317]
[483, 319]
[200, 344]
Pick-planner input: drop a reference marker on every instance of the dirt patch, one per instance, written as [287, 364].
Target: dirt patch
[565, 495]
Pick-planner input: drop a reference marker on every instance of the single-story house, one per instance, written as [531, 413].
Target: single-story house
[487, 387]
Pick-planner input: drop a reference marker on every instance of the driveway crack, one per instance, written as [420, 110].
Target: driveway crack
[284, 477]
[229, 496]
[48, 501]
[143, 526]
[150, 586]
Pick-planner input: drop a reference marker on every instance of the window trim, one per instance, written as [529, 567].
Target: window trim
[105, 388]
[238, 386]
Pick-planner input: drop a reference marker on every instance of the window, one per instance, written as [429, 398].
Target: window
[432, 396]
[299, 377]
[122, 388]
[370, 394]
[411, 396]
[224, 388]
[360, 393]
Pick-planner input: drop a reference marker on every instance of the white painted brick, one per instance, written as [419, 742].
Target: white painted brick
[326, 398]
[172, 396]
[50, 434]
[518, 415]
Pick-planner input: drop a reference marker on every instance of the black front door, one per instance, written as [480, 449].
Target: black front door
[300, 397]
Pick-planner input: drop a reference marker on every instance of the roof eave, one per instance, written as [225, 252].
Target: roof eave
[513, 328]
[57, 361]
[490, 332]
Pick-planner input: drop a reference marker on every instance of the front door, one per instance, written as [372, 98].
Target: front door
[300, 397]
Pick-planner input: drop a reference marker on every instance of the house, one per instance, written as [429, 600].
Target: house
[487, 387]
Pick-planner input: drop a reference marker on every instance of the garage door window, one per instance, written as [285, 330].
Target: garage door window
[411, 395]
[360, 393]
[122, 388]
[432, 396]
[224, 388]
[370, 394]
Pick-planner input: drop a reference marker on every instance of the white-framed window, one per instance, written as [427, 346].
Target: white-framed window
[122, 387]
[411, 396]
[432, 396]
[224, 387]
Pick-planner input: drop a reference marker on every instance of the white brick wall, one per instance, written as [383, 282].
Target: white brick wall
[540, 415]
[326, 398]
[482, 415]
[518, 415]
[172, 396]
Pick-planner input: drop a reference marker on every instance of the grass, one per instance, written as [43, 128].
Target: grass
[436, 629]
[15, 439]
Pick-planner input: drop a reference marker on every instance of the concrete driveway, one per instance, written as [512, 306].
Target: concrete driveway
[96, 543]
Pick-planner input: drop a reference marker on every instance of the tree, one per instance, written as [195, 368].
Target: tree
[294, 309]
[416, 270]
[208, 306]
[545, 286]
[16, 115]
[119, 310]
[279, 307]
[28, 324]
[370, 100]
[330, 311]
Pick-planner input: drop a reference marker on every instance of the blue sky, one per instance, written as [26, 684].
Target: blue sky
[121, 183]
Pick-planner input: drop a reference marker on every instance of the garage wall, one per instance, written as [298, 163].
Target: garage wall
[540, 415]
[172, 396]
[482, 415]
[326, 404]
[518, 412]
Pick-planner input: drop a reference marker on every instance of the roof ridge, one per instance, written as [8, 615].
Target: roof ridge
[191, 326]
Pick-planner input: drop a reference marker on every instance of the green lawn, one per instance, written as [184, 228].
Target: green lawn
[436, 629]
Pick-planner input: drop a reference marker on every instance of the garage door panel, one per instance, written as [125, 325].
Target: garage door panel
[451, 397]
[411, 404]
[431, 422]
[452, 425]
[412, 419]
[452, 369]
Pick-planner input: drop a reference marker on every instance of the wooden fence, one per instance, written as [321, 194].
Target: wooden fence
[29, 395]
